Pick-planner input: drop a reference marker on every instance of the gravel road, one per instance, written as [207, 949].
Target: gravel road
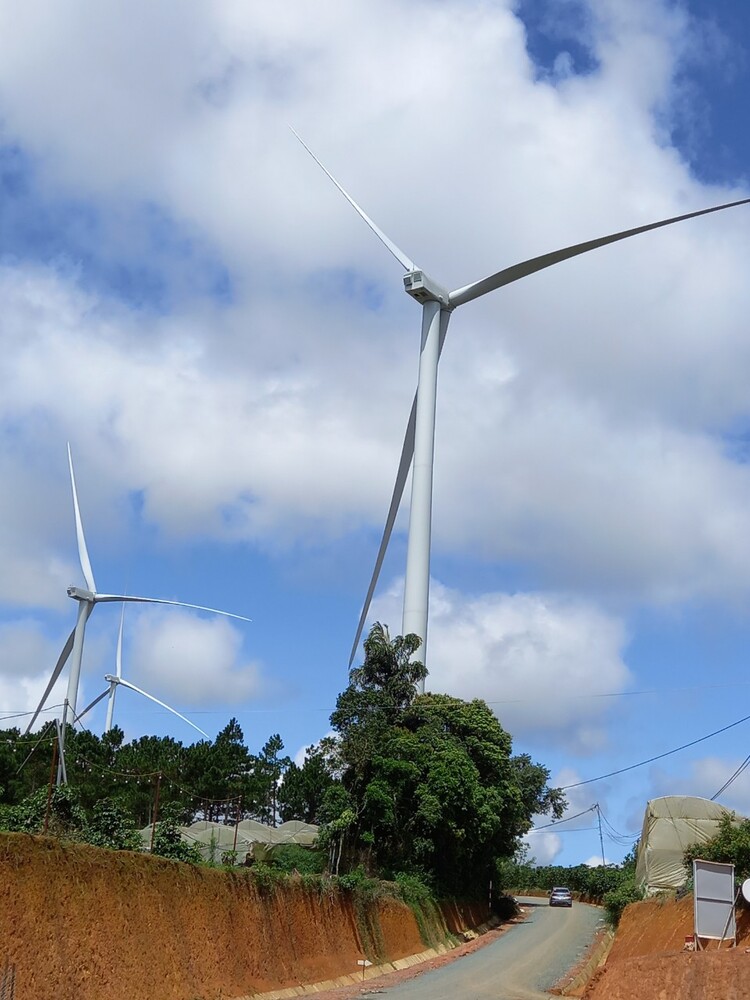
[521, 965]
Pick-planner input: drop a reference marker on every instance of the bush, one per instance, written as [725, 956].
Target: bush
[617, 899]
[413, 889]
[111, 827]
[168, 843]
[504, 907]
[731, 845]
[292, 857]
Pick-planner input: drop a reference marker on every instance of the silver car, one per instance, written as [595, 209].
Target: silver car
[560, 896]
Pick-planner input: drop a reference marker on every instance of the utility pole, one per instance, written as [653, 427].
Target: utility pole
[601, 838]
[62, 775]
[156, 812]
[52, 766]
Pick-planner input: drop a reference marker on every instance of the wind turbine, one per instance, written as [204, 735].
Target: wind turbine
[116, 680]
[419, 442]
[87, 599]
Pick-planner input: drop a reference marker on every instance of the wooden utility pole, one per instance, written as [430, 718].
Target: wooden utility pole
[156, 811]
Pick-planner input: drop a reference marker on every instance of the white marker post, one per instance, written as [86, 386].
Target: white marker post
[364, 963]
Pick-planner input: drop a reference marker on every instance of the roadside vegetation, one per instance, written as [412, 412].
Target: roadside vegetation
[613, 886]
[731, 845]
[420, 791]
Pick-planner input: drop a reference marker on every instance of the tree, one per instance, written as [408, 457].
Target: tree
[303, 790]
[731, 845]
[268, 770]
[219, 773]
[430, 779]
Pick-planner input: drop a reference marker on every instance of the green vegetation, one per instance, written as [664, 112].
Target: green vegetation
[420, 790]
[731, 845]
[425, 784]
[613, 885]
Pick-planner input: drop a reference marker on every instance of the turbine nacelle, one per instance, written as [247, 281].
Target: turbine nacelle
[79, 594]
[422, 288]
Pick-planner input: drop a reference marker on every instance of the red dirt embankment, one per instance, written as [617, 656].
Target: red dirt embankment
[647, 960]
[81, 923]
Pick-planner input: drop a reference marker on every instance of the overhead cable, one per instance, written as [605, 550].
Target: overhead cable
[659, 756]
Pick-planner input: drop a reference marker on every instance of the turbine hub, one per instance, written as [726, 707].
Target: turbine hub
[422, 288]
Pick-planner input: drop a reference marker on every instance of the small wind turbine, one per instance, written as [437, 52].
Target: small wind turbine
[419, 442]
[87, 599]
[117, 680]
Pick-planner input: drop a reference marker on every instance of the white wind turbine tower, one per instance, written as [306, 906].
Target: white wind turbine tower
[419, 442]
[87, 599]
[117, 680]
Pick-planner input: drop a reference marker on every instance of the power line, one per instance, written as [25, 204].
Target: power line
[567, 819]
[732, 778]
[20, 715]
[659, 756]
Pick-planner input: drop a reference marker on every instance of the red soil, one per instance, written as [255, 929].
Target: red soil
[647, 960]
[81, 923]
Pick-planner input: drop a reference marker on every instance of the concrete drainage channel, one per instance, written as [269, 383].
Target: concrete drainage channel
[370, 971]
[576, 984]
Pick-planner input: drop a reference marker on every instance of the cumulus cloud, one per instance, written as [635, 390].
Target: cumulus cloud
[704, 777]
[584, 414]
[28, 656]
[595, 861]
[175, 655]
[581, 416]
[513, 650]
[544, 846]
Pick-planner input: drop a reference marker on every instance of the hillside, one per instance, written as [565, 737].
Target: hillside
[647, 960]
[80, 923]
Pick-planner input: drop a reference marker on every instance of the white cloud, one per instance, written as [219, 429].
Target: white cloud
[544, 846]
[299, 756]
[581, 412]
[28, 657]
[577, 417]
[704, 777]
[530, 656]
[175, 655]
[595, 861]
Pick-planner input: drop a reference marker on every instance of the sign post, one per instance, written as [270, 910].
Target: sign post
[713, 901]
[365, 964]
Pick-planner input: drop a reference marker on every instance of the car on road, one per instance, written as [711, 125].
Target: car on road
[560, 896]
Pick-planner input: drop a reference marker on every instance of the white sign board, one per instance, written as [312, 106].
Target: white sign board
[713, 900]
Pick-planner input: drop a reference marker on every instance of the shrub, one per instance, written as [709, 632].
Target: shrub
[617, 899]
[731, 845]
[293, 857]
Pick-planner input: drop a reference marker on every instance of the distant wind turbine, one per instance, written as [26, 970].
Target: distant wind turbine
[87, 599]
[419, 442]
[117, 680]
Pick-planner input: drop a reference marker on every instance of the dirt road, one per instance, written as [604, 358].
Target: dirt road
[521, 965]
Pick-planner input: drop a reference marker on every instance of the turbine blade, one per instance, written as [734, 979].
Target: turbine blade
[83, 554]
[174, 711]
[61, 661]
[400, 256]
[130, 599]
[527, 267]
[93, 704]
[407, 453]
[118, 657]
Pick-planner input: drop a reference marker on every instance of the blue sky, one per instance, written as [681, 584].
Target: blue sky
[230, 353]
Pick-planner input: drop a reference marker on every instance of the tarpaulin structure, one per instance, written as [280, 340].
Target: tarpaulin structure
[671, 824]
[213, 839]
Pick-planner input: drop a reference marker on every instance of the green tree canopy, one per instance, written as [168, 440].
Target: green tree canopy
[431, 779]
